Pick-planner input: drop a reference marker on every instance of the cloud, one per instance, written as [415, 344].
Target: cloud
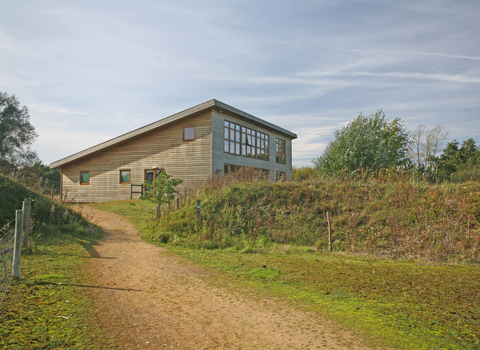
[458, 78]
[51, 109]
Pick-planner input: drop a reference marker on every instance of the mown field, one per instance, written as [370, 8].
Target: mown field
[404, 271]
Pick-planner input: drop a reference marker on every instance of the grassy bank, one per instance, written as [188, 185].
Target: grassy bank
[393, 303]
[47, 308]
[400, 220]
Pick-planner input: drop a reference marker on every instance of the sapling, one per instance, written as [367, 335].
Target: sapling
[161, 190]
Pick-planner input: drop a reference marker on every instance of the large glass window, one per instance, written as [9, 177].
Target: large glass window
[244, 141]
[281, 151]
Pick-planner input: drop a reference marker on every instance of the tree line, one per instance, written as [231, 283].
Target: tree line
[372, 143]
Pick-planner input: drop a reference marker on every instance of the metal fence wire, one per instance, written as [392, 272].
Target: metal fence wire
[6, 257]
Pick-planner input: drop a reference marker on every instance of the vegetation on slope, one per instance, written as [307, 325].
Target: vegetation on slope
[49, 218]
[395, 219]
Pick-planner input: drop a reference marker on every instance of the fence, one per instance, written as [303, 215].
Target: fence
[6, 257]
[11, 246]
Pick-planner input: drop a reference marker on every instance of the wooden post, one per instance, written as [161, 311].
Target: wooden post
[17, 250]
[329, 233]
[131, 190]
[27, 210]
[178, 203]
[198, 210]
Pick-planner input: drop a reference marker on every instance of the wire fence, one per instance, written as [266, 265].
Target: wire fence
[6, 257]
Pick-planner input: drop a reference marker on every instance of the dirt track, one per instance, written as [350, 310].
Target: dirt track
[149, 299]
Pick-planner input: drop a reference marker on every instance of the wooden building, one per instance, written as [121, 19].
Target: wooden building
[192, 145]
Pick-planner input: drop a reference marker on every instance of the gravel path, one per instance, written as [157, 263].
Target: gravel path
[149, 299]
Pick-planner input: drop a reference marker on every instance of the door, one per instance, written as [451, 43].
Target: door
[150, 176]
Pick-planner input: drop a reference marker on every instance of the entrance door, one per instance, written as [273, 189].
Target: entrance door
[150, 176]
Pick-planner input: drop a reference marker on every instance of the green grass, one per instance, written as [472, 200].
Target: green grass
[408, 305]
[392, 303]
[47, 308]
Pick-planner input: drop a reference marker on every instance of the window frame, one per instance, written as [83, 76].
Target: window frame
[280, 151]
[155, 172]
[194, 133]
[129, 176]
[280, 176]
[240, 140]
[80, 178]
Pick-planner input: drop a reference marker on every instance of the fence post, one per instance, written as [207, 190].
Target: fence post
[178, 203]
[198, 210]
[17, 250]
[27, 211]
[329, 233]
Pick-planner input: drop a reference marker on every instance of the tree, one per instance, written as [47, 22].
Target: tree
[417, 153]
[162, 190]
[425, 144]
[457, 158]
[367, 141]
[16, 133]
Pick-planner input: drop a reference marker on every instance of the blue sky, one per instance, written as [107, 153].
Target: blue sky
[92, 70]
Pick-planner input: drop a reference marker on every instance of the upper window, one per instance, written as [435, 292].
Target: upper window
[84, 178]
[281, 151]
[244, 141]
[124, 177]
[188, 133]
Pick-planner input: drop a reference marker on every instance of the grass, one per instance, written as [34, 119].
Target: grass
[405, 304]
[400, 220]
[47, 308]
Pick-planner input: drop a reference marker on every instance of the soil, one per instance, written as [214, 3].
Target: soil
[147, 298]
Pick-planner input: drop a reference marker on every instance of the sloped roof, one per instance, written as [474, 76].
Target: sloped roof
[173, 118]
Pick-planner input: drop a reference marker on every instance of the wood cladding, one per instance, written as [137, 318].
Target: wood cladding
[162, 148]
[192, 159]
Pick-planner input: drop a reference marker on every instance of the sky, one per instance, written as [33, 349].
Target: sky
[91, 70]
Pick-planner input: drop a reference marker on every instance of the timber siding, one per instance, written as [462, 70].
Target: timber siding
[160, 145]
[163, 148]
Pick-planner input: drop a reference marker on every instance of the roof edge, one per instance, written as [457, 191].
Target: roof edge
[167, 120]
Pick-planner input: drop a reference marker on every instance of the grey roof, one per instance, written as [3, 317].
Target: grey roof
[168, 120]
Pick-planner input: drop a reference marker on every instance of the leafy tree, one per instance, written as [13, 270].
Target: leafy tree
[162, 190]
[16, 133]
[457, 158]
[367, 141]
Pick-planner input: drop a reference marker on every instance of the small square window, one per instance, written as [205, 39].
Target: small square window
[188, 133]
[124, 177]
[84, 178]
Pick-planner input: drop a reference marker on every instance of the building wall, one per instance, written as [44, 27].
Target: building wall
[220, 157]
[190, 161]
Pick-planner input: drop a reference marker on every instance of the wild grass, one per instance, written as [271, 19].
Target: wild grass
[49, 217]
[396, 219]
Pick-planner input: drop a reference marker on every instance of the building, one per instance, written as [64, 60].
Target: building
[192, 145]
